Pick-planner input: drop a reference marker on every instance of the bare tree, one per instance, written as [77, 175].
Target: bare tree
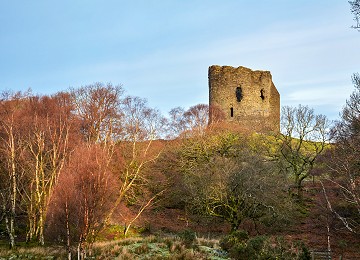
[197, 119]
[11, 147]
[46, 124]
[191, 122]
[343, 159]
[216, 115]
[303, 138]
[344, 162]
[355, 10]
[176, 122]
[45, 166]
[34, 132]
[82, 199]
[141, 127]
[97, 106]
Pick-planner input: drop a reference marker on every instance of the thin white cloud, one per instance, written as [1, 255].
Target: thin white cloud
[319, 96]
[311, 58]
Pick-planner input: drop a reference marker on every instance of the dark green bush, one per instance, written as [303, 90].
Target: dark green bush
[240, 246]
[234, 238]
[304, 253]
[188, 237]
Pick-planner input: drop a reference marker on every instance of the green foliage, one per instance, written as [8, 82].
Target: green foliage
[343, 244]
[111, 232]
[304, 137]
[143, 248]
[236, 237]
[159, 248]
[188, 236]
[226, 175]
[240, 246]
[34, 252]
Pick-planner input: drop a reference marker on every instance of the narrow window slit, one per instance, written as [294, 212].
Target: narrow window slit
[262, 94]
[232, 112]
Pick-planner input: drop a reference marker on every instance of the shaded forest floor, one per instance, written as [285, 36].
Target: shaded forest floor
[319, 227]
[311, 226]
[159, 232]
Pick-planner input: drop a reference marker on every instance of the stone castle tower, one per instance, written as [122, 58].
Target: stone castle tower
[246, 97]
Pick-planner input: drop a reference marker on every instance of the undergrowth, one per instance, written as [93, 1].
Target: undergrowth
[183, 246]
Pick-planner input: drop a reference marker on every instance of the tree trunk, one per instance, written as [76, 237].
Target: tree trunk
[299, 191]
[68, 248]
[296, 190]
[31, 218]
[79, 251]
[8, 229]
[13, 191]
[12, 232]
[41, 228]
[235, 223]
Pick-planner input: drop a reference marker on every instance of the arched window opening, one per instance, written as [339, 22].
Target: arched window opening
[231, 112]
[262, 94]
[239, 94]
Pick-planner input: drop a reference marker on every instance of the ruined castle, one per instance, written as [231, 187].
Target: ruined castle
[245, 97]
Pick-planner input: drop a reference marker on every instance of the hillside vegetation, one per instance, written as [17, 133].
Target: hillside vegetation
[84, 170]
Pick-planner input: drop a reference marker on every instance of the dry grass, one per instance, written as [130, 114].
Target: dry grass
[152, 247]
[33, 253]
[208, 242]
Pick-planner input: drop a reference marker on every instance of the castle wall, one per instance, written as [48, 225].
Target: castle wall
[246, 97]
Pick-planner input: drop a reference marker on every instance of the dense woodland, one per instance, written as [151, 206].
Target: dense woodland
[71, 162]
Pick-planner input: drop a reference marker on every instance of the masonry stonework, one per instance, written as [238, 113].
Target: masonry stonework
[246, 97]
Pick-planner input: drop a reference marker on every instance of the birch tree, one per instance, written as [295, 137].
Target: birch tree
[194, 121]
[97, 105]
[344, 162]
[10, 150]
[141, 126]
[82, 199]
[45, 135]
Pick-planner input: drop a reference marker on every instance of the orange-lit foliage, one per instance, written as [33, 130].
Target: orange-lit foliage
[82, 198]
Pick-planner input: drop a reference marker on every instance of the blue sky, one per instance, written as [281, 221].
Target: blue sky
[161, 50]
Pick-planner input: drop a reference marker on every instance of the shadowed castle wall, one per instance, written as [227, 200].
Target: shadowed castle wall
[246, 97]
